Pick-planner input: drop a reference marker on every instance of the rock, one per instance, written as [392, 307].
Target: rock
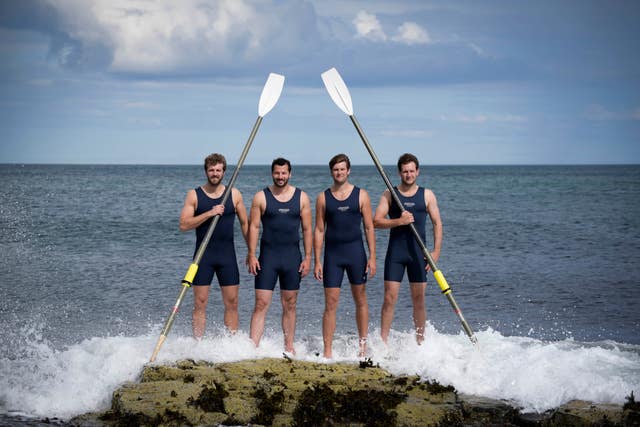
[285, 392]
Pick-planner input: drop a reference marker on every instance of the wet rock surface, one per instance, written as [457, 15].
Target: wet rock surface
[285, 392]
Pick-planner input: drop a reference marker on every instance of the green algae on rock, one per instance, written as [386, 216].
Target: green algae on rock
[286, 392]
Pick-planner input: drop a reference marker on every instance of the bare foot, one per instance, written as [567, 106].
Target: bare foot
[363, 347]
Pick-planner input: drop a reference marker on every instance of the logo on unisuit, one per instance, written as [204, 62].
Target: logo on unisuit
[409, 204]
[343, 208]
[283, 210]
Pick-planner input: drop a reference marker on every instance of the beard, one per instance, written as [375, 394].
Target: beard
[214, 180]
[280, 183]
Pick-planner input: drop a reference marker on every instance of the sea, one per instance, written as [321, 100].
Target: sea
[544, 262]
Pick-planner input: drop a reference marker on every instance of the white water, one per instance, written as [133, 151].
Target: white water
[532, 374]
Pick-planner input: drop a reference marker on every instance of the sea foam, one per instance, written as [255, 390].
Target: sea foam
[531, 374]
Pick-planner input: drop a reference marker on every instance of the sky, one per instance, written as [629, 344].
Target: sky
[454, 82]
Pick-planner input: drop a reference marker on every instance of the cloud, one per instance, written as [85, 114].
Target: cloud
[368, 27]
[240, 41]
[412, 33]
[166, 37]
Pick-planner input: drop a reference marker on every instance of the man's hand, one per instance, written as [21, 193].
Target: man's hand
[217, 210]
[305, 267]
[406, 218]
[253, 265]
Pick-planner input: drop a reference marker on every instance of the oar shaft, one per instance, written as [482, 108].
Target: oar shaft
[437, 273]
[169, 322]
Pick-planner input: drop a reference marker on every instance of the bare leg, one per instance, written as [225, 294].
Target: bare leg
[263, 301]
[419, 309]
[331, 297]
[289, 299]
[230, 300]
[388, 307]
[199, 320]
[359, 293]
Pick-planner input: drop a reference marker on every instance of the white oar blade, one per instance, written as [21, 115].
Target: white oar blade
[270, 93]
[338, 90]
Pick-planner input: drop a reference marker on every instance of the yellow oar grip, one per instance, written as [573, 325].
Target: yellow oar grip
[442, 282]
[191, 274]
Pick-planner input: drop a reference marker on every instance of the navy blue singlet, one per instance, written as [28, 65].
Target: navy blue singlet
[403, 252]
[220, 255]
[343, 249]
[280, 255]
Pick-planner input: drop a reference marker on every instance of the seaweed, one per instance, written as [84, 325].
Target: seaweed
[267, 375]
[436, 388]
[269, 405]
[319, 405]
[368, 363]
[210, 399]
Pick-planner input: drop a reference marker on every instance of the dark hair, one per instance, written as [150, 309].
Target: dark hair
[407, 158]
[214, 159]
[280, 161]
[338, 158]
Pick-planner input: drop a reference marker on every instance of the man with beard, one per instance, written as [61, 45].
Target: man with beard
[403, 252]
[200, 206]
[282, 209]
[340, 210]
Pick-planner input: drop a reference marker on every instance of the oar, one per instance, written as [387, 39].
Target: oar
[340, 95]
[268, 99]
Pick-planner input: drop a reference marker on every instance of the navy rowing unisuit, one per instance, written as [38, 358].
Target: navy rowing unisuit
[343, 249]
[280, 255]
[220, 255]
[403, 252]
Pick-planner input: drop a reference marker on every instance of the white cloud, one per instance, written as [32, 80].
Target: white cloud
[368, 27]
[412, 33]
[142, 36]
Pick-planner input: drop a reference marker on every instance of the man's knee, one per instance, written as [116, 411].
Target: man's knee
[289, 302]
[261, 305]
[231, 301]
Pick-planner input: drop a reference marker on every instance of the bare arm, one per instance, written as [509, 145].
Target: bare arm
[257, 209]
[434, 214]
[369, 232]
[318, 236]
[241, 212]
[380, 219]
[307, 233]
[188, 218]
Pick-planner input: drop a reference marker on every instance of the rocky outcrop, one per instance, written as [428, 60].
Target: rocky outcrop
[285, 392]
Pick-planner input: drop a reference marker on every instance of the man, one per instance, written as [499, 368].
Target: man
[339, 211]
[200, 206]
[403, 252]
[282, 209]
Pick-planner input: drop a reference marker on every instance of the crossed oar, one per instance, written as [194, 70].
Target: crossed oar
[268, 99]
[340, 95]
